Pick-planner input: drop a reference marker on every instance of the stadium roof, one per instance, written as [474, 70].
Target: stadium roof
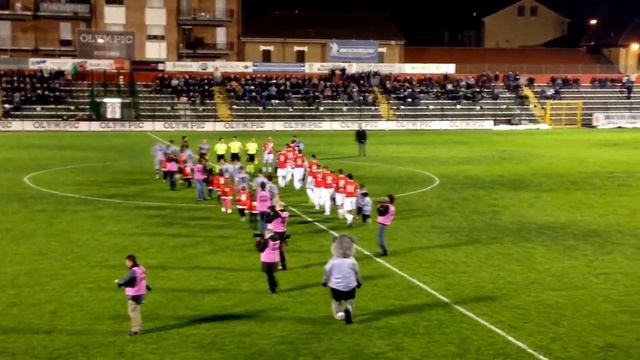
[298, 25]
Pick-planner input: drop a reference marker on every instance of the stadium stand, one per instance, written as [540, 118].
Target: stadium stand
[333, 96]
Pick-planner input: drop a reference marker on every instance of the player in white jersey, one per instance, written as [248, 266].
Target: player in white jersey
[158, 157]
[268, 156]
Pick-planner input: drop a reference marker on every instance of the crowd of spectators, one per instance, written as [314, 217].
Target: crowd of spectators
[335, 86]
[411, 91]
[34, 88]
[195, 90]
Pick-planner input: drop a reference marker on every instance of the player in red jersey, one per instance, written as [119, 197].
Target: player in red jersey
[340, 183]
[329, 188]
[283, 168]
[318, 188]
[226, 194]
[299, 166]
[218, 183]
[243, 202]
[267, 156]
[291, 152]
[313, 164]
[350, 193]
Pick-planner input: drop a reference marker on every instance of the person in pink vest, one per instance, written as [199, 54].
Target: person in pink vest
[277, 219]
[135, 284]
[172, 169]
[386, 213]
[269, 248]
[263, 200]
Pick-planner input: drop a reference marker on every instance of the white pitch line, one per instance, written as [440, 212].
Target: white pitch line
[432, 291]
[27, 180]
[413, 280]
[435, 178]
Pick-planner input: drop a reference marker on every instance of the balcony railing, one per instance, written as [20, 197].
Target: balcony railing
[220, 48]
[205, 17]
[49, 9]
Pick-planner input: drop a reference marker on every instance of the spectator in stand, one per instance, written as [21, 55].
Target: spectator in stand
[627, 84]
[34, 88]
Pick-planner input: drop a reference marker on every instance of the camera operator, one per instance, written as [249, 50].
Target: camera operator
[268, 245]
[277, 220]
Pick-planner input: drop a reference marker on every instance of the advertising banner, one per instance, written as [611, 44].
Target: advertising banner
[210, 66]
[102, 44]
[616, 120]
[352, 51]
[278, 67]
[236, 126]
[428, 68]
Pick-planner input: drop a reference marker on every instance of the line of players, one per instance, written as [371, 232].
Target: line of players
[230, 180]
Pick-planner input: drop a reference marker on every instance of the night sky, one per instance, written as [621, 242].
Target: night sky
[425, 28]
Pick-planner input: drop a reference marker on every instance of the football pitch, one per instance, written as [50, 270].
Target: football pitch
[506, 245]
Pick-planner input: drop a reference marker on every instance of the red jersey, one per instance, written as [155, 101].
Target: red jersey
[254, 207]
[350, 188]
[243, 199]
[186, 172]
[211, 181]
[181, 159]
[291, 153]
[218, 182]
[318, 179]
[283, 162]
[314, 165]
[329, 180]
[299, 161]
[341, 181]
[227, 191]
[267, 148]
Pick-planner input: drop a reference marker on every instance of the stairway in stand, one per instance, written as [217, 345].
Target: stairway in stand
[386, 111]
[223, 107]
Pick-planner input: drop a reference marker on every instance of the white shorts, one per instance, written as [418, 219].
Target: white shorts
[349, 203]
[282, 172]
[340, 199]
[267, 158]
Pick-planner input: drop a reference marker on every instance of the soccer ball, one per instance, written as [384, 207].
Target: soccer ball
[340, 316]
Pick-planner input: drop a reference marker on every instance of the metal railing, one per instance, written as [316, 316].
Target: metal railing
[538, 68]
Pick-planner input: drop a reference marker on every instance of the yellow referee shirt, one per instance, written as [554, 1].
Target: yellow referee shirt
[252, 148]
[220, 149]
[235, 147]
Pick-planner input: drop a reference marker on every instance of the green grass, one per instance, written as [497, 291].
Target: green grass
[535, 232]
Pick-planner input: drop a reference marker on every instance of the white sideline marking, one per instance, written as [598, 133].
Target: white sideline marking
[27, 180]
[405, 275]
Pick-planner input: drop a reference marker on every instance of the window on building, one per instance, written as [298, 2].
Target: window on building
[266, 55]
[521, 10]
[114, 2]
[155, 3]
[380, 56]
[221, 37]
[533, 11]
[301, 56]
[155, 32]
[221, 9]
[65, 34]
[5, 33]
[114, 27]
